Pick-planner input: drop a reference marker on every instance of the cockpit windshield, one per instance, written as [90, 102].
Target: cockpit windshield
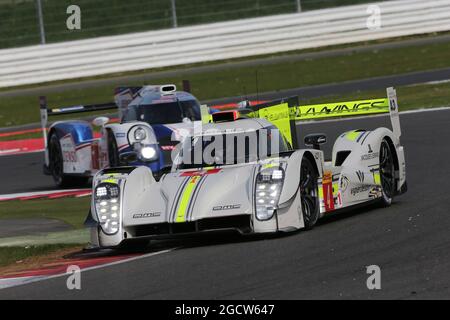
[231, 148]
[162, 113]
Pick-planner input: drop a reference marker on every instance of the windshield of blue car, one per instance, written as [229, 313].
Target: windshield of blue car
[162, 113]
[231, 148]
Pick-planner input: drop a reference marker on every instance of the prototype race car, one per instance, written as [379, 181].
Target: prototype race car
[242, 172]
[151, 117]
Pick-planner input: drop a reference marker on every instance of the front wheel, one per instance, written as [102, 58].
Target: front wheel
[387, 173]
[309, 193]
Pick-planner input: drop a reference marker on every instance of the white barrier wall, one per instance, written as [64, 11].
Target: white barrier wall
[240, 38]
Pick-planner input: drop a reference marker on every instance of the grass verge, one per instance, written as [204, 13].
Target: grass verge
[241, 81]
[70, 210]
[412, 97]
[22, 258]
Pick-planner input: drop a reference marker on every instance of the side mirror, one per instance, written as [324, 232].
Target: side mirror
[186, 120]
[100, 121]
[315, 140]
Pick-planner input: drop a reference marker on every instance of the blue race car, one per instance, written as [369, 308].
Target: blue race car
[153, 120]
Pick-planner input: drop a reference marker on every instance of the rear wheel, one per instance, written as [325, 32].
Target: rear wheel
[387, 173]
[309, 193]
[56, 166]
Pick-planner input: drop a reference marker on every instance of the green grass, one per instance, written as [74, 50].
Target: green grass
[70, 210]
[19, 24]
[409, 97]
[241, 81]
[10, 255]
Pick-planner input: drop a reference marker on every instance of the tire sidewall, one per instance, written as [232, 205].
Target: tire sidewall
[55, 146]
[309, 225]
[385, 199]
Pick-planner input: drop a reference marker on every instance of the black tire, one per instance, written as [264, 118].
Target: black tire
[113, 151]
[309, 193]
[387, 173]
[56, 166]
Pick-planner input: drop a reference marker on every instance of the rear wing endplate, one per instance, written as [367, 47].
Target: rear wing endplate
[393, 110]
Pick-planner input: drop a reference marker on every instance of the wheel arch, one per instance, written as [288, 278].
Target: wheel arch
[311, 158]
[394, 151]
[292, 175]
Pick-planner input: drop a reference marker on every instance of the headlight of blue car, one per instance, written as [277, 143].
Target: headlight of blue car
[145, 152]
[267, 194]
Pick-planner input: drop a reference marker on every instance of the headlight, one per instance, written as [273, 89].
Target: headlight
[268, 188]
[148, 153]
[107, 205]
[140, 134]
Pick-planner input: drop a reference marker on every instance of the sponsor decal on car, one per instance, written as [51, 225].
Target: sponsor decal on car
[360, 175]
[327, 185]
[369, 156]
[375, 192]
[344, 183]
[227, 207]
[68, 149]
[200, 172]
[360, 189]
[146, 215]
[341, 108]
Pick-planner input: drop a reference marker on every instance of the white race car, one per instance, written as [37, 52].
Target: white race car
[232, 186]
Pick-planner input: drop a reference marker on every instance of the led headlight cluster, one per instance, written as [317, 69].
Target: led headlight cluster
[268, 188]
[107, 205]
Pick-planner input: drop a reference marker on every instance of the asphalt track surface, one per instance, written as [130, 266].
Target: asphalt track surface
[409, 241]
[24, 173]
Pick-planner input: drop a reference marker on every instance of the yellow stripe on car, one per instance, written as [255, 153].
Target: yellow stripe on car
[335, 189]
[185, 199]
[377, 178]
[352, 135]
[111, 181]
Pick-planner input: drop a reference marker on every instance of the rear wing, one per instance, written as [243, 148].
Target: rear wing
[47, 112]
[285, 113]
[122, 98]
[353, 108]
